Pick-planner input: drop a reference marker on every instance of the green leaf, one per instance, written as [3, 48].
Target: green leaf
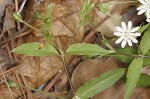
[37, 15]
[145, 42]
[32, 49]
[99, 84]
[103, 7]
[48, 24]
[12, 84]
[144, 80]
[84, 18]
[143, 28]
[47, 36]
[147, 60]
[128, 59]
[133, 75]
[86, 49]
[123, 51]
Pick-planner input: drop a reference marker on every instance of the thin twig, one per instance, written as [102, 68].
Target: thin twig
[7, 83]
[22, 5]
[16, 9]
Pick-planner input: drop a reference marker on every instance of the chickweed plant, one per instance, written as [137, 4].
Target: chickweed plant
[136, 56]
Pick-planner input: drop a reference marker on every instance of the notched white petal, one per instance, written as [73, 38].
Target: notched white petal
[124, 26]
[129, 42]
[136, 34]
[134, 40]
[129, 25]
[141, 7]
[148, 19]
[119, 29]
[142, 1]
[141, 11]
[134, 29]
[123, 44]
[119, 40]
[118, 34]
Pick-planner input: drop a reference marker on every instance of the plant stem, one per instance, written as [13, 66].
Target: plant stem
[64, 61]
[75, 32]
[30, 26]
[115, 2]
[66, 71]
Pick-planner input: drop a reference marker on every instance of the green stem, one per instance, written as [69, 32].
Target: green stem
[31, 26]
[130, 55]
[75, 32]
[115, 2]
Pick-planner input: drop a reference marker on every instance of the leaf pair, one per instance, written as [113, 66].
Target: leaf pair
[32, 49]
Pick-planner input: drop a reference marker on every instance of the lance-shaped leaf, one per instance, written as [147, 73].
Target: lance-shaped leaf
[144, 80]
[86, 49]
[32, 49]
[133, 75]
[143, 28]
[99, 84]
[145, 45]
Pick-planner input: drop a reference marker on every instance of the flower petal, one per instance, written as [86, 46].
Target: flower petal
[119, 29]
[147, 1]
[129, 42]
[136, 34]
[142, 11]
[119, 40]
[129, 25]
[141, 7]
[148, 13]
[133, 39]
[148, 19]
[118, 34]
[124, 27]
[134, 29]
[124, 42]
[142, 1]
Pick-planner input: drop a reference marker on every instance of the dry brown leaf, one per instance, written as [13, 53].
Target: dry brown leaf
[3, 4]
[8, 23]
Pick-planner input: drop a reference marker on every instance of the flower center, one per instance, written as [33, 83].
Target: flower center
[127, 34]
[148, 5]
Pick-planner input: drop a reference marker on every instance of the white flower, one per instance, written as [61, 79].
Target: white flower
[126, 34]
[145, 8]
[77, 97]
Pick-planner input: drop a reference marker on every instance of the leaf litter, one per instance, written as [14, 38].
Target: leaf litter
[34, 75]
